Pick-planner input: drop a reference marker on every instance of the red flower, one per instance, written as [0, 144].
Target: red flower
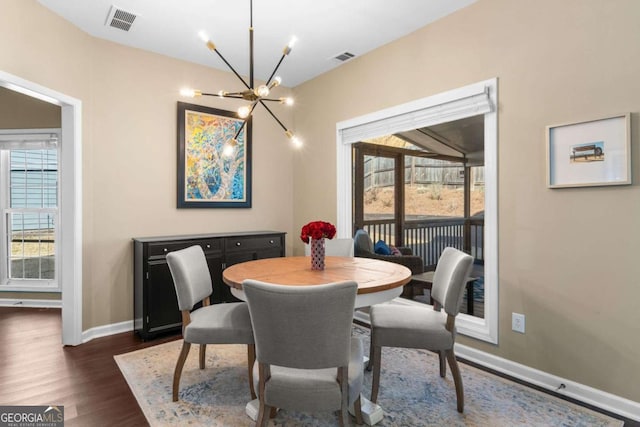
[317, 230]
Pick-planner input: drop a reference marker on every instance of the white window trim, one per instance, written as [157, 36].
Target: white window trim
[70, 209]
[444, 107]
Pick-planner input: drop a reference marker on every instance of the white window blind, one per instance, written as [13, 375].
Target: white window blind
[46, 141]
[472, 105]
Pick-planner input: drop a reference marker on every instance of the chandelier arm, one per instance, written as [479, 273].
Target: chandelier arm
[274, 116]
[275, 69]
[235, 137]
[251, 58]
[271, 99]
[228, 95]
[251, 44]
[232, 95]
[232, 69]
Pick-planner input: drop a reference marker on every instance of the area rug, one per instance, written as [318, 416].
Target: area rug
[411, 393]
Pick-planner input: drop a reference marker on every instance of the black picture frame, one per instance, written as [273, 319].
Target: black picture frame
[207, 178]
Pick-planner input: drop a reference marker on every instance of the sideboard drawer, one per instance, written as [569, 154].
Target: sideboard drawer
[252, 243]
[163, 248]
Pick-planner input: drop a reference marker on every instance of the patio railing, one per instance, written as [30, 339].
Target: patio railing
[428, 237]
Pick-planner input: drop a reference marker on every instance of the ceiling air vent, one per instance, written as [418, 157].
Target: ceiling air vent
[344, 56]
[120, 19]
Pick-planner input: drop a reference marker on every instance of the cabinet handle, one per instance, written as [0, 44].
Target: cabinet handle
[208, 246]
[271, 241]
[165, 249]
[237, 243]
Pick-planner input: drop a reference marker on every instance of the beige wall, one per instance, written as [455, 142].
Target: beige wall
[129, 147]
[568, 258]
[18, 111]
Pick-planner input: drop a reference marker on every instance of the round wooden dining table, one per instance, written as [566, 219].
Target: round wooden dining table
[378, 281]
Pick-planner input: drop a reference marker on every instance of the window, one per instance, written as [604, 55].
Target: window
[473, 100]
[29, 190]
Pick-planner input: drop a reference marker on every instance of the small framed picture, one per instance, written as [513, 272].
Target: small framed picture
[590, 153]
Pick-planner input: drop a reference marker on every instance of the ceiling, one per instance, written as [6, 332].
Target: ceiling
[462, 138]
[324, 29]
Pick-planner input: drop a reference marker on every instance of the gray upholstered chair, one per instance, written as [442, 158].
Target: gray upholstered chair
[210, 324]
[363, 247]
[424, 327]
[334, 247]
[306, 359]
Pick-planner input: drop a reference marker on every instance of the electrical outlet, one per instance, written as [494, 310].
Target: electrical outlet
[517, 322]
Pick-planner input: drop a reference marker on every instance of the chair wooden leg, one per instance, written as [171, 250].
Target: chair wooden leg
[251, 358]
[457, 379]
[273, 412]
[203, 355]
[376, 355]
[262, 414]
[443, 363]
[343, 379]
[370, 362]
[357, 408]
[179, 365]
[264, 372]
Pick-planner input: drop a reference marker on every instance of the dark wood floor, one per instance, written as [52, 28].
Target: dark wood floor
[35, 369]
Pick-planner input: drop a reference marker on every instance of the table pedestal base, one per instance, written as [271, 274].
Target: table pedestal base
[371, 412]
[252, 409]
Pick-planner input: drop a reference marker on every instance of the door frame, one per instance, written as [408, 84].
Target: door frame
[398, 187]
[440, 108]
[70, 209]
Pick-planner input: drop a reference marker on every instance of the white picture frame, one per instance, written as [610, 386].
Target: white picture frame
[595, 152]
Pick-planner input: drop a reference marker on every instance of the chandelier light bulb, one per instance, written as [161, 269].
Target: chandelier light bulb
[190, 93]
[262, 91]
[228, 150]
[222, 93]
[275, 82]
[203, 36]
[244, 111]
[287, 101]
[287, 49]
[295, 141]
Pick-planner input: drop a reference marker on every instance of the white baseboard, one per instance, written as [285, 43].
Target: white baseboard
[105, 330]
[30, 303]
[600, 399]
[591, 396]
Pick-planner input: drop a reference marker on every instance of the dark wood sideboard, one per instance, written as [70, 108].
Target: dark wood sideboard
[154, 296]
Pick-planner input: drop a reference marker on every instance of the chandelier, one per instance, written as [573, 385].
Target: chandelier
[254, 95]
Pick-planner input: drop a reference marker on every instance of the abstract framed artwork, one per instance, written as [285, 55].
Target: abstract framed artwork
[209, 177]
[590, 153]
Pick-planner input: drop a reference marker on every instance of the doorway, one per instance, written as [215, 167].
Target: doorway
[70, 209]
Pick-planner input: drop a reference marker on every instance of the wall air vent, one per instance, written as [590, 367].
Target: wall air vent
[344, 56]
[120, 19]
